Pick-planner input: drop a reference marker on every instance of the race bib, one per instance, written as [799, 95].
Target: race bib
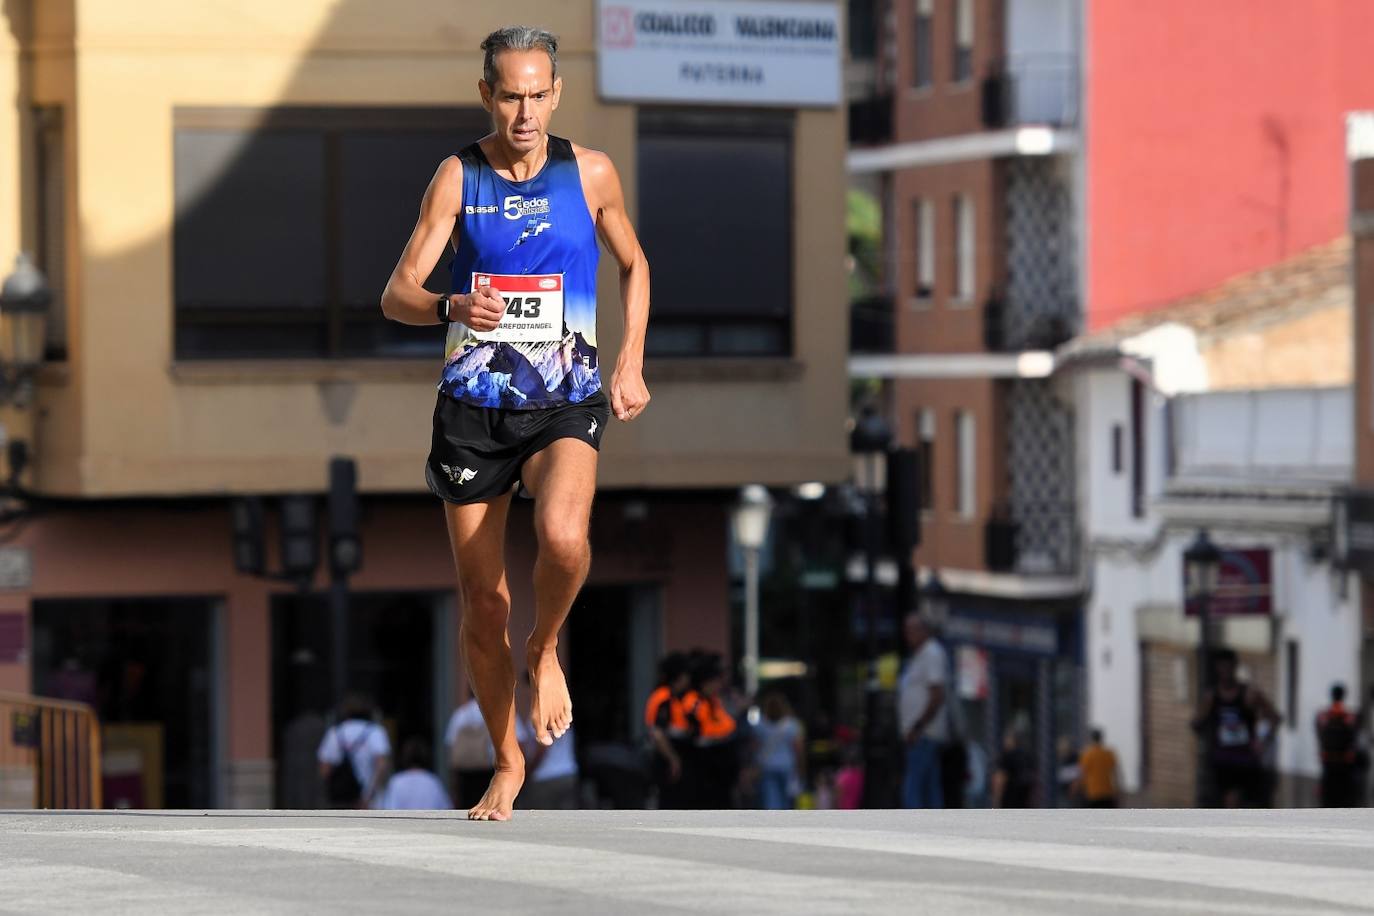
[1232, 730]
[534, 307]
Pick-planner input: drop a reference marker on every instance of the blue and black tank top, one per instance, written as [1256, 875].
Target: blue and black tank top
[535, 242]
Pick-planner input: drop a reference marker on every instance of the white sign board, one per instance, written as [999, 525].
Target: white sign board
[719, 51]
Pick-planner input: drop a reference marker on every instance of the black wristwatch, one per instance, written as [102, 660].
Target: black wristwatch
[444, 310]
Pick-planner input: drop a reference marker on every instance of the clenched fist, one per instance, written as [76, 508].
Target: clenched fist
[481, 309]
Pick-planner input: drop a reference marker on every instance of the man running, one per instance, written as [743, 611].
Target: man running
[520, 400]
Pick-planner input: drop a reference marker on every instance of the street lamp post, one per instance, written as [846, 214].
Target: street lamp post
[870, 441]
[25, 299]
[751, 518]
[1201, 566]
[935, 599]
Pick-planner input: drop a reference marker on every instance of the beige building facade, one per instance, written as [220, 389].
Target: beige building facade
[194, 358]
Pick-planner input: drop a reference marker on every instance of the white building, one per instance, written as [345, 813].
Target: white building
[1162, 454]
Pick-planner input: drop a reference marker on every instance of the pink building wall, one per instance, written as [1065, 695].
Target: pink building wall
[1214, 139]
[112, 550]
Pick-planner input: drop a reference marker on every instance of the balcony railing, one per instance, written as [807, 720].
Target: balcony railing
[871, 325]
[870, 120]
[1005, 332]
[1032, 89]
[1033, 539]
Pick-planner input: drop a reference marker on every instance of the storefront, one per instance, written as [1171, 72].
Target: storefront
[1018, 670]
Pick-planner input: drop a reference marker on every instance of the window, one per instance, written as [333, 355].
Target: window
[863, 30]
[1118, 458]
[715, 217]
[966, 463]
[963, 40]
[289, 221]
[925, 450]
[925, 249]
[921, 57]
[1137, 449]
[965, 240]
[51, 180]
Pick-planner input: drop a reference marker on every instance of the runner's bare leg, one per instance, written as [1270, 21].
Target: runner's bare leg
[562, 478]
[477, 534]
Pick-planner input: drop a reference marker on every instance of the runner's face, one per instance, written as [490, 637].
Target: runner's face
[524, 98]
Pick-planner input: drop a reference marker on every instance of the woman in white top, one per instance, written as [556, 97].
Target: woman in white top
[778, 754]
[415, 788]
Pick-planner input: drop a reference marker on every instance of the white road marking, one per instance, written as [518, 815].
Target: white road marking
[33, 886]
[1309, 836]
[609, 874]
[1342, 886]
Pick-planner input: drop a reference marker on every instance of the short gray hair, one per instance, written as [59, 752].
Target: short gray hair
[517, 38]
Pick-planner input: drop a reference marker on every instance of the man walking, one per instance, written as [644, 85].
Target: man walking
[520, 399]
[470, 753]
[922, 715]
[1337, 736]
[354, 755]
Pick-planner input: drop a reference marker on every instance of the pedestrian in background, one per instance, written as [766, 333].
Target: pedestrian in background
[922, 715]
[354, 756]
[470, 754]
[1097, 783]
[1066, 777]
[1013, 784]
[1237, 721]
[670, 730]
[778, 754]
[713, 767]
[415, 787]
[1338, 739]
[552, 776]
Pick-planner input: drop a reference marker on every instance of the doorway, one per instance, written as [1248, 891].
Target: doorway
[614, 641]
[146, 666]
[392, 660]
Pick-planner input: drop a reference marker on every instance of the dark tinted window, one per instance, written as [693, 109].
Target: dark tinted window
[250, 209]
[288, 223]
[715, 218]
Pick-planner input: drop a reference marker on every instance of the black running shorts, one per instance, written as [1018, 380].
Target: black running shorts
[477, 453]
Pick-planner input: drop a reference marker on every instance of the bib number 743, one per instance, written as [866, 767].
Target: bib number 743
[523, 306]
[534, 307]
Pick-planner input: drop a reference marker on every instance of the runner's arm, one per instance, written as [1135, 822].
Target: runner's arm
[665, 747]
[1204, 712]
[629, 394]
[1266, 711]
[405, 298]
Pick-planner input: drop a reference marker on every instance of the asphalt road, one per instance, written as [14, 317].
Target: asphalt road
[956, 862]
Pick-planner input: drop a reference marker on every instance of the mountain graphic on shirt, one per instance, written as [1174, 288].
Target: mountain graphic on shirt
[498, 374]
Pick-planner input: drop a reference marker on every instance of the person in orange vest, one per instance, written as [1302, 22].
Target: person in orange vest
[714, 766]
[670, 730]
[1097, 783]
[1337, 736]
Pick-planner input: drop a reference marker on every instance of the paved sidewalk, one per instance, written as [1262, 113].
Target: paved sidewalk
[956, 862]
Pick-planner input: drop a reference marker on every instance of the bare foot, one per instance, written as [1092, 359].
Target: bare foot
[550, 704]
[496, 804]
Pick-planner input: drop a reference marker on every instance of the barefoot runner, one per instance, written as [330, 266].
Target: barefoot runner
[520, 400]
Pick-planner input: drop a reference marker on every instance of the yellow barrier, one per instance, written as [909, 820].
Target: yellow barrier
[49, 753]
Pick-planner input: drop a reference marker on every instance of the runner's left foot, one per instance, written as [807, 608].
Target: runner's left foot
[550, 704]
